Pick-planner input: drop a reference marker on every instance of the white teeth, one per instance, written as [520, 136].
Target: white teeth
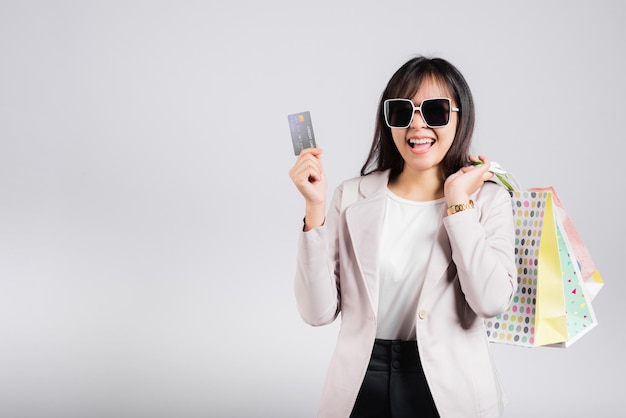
[420, 141]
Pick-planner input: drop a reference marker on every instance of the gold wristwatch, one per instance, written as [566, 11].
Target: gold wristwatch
[458, 208]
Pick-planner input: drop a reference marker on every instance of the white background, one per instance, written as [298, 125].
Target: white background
[148, 225]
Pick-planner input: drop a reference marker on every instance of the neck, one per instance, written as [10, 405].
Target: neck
[421, 186]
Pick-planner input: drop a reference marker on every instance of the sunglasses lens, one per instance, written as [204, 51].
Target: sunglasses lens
[436, 112]
[399, 113]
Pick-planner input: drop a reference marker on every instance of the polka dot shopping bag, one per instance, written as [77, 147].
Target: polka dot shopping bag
[552, 305]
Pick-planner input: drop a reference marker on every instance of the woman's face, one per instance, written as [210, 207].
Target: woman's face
[421, 147]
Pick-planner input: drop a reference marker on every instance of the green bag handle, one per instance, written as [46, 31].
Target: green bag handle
[502, 176]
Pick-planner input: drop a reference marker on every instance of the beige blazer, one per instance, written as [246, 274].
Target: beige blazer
[471, 276]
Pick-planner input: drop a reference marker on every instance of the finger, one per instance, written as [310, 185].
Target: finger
[309, 170]
[307, 157]
[485, 166]
[312, 156]
[305, 175]
[481, 162]
[316, 152]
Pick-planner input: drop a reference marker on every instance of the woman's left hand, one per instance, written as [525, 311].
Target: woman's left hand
[459, 186]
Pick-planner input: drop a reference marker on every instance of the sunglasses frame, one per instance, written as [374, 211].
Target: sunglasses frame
[386, 107]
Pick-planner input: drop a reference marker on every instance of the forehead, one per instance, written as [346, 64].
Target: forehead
[430, 87]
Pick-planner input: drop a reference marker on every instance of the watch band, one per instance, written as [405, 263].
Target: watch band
[460, 207]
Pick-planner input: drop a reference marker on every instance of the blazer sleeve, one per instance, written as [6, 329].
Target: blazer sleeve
[483, 249]
[316, 282]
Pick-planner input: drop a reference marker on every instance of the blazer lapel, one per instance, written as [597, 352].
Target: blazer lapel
[364, 222]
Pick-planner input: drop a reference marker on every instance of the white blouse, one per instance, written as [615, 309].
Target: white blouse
[408, 235]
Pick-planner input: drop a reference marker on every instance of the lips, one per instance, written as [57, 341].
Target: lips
[421, 142]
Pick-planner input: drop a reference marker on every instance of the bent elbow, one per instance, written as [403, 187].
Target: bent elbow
[318, 319]
[496, 304]
[491, 311]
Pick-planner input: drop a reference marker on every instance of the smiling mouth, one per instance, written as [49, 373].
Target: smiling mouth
[413, 142]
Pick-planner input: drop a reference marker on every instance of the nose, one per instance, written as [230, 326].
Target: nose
[418, 120]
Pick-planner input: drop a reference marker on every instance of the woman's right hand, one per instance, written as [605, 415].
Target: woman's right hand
[308, 176]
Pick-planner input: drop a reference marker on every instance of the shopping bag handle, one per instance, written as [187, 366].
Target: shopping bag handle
[503, 177]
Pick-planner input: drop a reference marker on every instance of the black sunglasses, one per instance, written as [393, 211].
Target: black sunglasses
[435, 112]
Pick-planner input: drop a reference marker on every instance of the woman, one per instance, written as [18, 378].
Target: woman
[418, 259]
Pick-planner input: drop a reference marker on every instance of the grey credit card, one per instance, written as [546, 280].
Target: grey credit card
[301, 130]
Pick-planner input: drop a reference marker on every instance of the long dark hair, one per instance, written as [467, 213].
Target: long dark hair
[405, 83]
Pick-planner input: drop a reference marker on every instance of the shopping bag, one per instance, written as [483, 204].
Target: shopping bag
[591, 276]
[552, 305]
